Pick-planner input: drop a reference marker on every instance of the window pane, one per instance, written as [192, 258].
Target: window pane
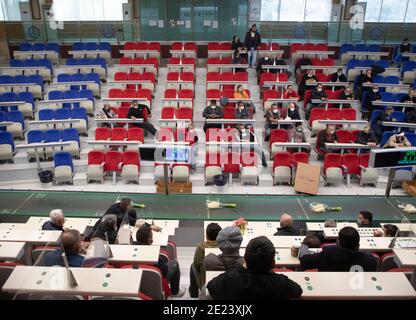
[269, 10]
[411, 11]
[315, 12]
[113, 10]
[393, 11]
[373, 10]
[10, 10]
[2, 17]
[66, 10]
[292, 10]
[91, 10]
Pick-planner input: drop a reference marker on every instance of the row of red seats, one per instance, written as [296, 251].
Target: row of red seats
[216, 94]
[231, 162]
[226, 60]
[343, 136]
[114, 160]
[184, 46]
[120, 134]
[332, 114]
[221, 135]
[140, 61]
[349, 163]
[321, 77]
[227, 76]
[130, 93]
[291, 160]
[134, 76]
[183, 60]
[180, 76]
[151, 46]
[267, 76]
[181, 94]
[184, 113]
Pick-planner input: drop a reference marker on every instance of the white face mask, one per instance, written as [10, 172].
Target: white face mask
[332, 131]
[299, 129]
[319, 89]
[275, 110]
[292, 109]
[375, 90]
[213, 107]
[266, 58]
[243, 131]
[339, 73]
[241, 108]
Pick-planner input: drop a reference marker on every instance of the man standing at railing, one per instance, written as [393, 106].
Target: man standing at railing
[252, 42]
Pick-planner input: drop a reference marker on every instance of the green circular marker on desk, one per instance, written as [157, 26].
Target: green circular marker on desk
[105, 284]
[44, 273]
[134, 255]
[136, 249]
[309, 287]
[374, 278]
[108, 275]
[39, 282]
[379, 288]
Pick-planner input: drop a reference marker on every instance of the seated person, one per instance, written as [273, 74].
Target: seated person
[106, 233]
[212, 112]
[71, 244]
[272, 118]
[397, 141]
[255, 280]
[367, 137]
[106, 113]
[405, 46]
[299, 135]
[292, 113]
[236, 44]
[290, 93]
[123, 211]
[170, 269]
[411, 116]
[318, 93]
[241, 93]
[338, 76]
[237, 58]
[366, 77]
[388, 230]
[241, 112]
[382, 117]
[305, 82]
[57, 221]
[141, 111]
[365, 219]
[286, 226]
[229, 241]
[372, 96]
[312, 241]
[264, 61]
[197, 271]
[340, 257]
[327, 136]
[278, 61]
[346, 94]
[410, 98]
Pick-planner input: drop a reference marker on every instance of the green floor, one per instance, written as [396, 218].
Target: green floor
[193, 207]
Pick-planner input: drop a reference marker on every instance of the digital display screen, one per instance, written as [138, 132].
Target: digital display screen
[177, 154]
[395, 158]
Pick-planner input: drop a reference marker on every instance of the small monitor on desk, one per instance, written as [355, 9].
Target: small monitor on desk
[175, 154]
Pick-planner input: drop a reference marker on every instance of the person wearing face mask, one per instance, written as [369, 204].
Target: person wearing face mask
[272, 117]
[264, 61]
[346, 95]
[317, 94]
[299, 137]
[291, 94]
[212, 112]
[372, 96]
[241, 93]
[326, 136]
[241, 112]
[141, 111]
[305, 84]
[106, 113]
[367, 137]
[252, 43]
[292, 114]
[405, 46]
[246, 135]
[338, 76]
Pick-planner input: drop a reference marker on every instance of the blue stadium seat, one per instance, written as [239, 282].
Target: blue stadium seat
[408, 66]
[27, 97]
[70, 134]
[46, 114]
[7, 138]
[397, 116]
[71, 94]
[63, 159]
[104, 46]
[21, 79]
[91, 46]
[16, 63]
[35, 136]
[399, 96]
[352, 64]
[31, 63]
[62, 114]
[64, 77]
[39, 47]
[411, 137]
[387, 96]
[79, 77]
[10, 97]
[382, 63]
[25, 47]
[373, 48]
[78, 46]
[367, 63]
[346, 47]
[86, 94]
[392, 80]
[36, 79]
[3, 116]
[378, 79]
[16, 116]
[52, 47]
[93, 77]
[100, 61]
[374, 116]
[72, 62]
[45, 63]
[86, 62]
[55, 95]
[79, 113]
[385, 137]
[361, 47]
[6, 79]
[53, 135]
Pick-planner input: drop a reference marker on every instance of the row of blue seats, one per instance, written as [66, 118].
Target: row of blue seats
[386, 79]
[31, 63]
[6, 79]
[392, 97]
[359, 47]
[66, 77]
[86, 62]
[53, 135]
[351, 64]
[39, 47]
[62, 114]
[21, 96]
[79, 46]
[12, 116]
[71, 94]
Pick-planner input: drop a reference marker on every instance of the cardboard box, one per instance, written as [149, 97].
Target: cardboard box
[307, 178]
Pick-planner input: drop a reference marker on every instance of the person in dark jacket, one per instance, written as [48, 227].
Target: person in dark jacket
[305, 82]
[229, 241]
[366, 77]
[338, 76]
[169, 269]
[286, 226]
[71, 244]
[106, 229]
[383, 116]
[123, 210]
[346, 94]
[255, 280]
[236, 44]
[341, 257]
[405, 46]
[410, 98]
[212, 112]
[365, 219]
[141, 111]
[372, 96]
[57, 221]
[264, 61]
[317, 94]
[367, 137]
[411, 116]
[327, 136]
[241, 112]
[252, 42]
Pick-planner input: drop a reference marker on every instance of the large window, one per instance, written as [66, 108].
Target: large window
[91, 10]
[390, 10]
[295, 10]
[10, 10]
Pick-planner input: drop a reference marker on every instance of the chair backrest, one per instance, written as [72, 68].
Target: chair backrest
[343, 136]
[62, 114]
[249, 159]
[96, 157]
[282, 159]
[279, 135]
[135, 134]
[184, 113]
[231, 162]
[302, 157]
[6, 138]
[102, 133]
[351, 161]
[112, 161]
[333, 114]
[131, 157]
[349, 114]
[35, 136]
[53, 135]
[118, 134]
[63, 159]
[46, 114]
[70, 134]
[168, 112]
[364, 159]
[332, 160]
[79, 113]
[151, 282]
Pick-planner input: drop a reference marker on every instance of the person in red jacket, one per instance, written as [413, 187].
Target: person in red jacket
[290, 93]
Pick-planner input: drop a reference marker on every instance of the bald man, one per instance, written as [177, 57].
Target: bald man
[286, 226]
[71, 244]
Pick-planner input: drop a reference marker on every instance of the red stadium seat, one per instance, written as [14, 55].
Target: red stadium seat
[228, 93]
[118, 134]
[120, 76]
[213, 61]
[213, 94]
[186, 94]
[115, 93]
[102, 134]
[172, 76]
[214, 46]
[170, 93]
[129, 93]
[113, 161]
[184, 113]
[96, 157]
[349, 114]
[190, 46]
[154, 46]
[225, 46]
[177, 46]
[297, 157]
[174, 60]
[241, 76]
[282, 159]
[333, 114]
[213, 76]
[231, 162]
[131, 158]
[139, 60]
[142, 46]
[229, 112]
[350, 162]
[317, 114]
[332, 160]
[152, 60]
[149, 76]
[165, 134]
[354, 135]
[187, 60]
[135, 134]
[134, 76]
[130, 46]
[187, 76]
[168, 112]
[343, 136]
[278, 135]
